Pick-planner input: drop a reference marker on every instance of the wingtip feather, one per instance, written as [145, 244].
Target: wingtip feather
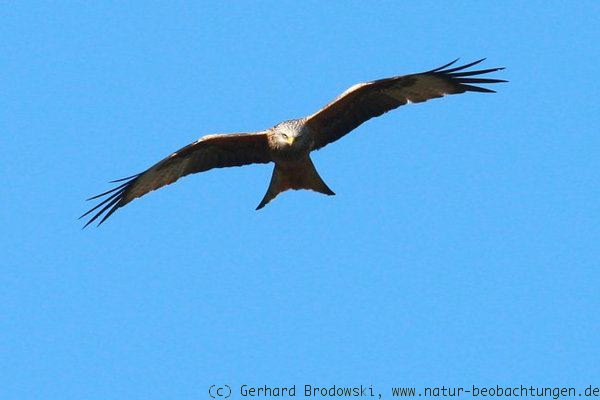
[461, 67]
[443, 66]
[460, 77]
[113, 200]
[124, 179]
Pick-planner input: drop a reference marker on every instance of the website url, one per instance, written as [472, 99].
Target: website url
[496, 391]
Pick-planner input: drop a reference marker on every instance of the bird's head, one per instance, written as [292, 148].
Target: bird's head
[291, 135]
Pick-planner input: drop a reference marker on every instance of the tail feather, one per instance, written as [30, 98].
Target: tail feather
[295, 176]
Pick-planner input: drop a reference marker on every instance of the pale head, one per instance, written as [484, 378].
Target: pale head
[291, 135]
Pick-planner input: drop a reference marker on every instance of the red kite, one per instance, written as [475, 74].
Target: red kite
[289, 143]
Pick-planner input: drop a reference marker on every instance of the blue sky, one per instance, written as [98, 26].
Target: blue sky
[461, 247]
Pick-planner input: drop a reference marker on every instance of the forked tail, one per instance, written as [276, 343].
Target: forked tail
[296, 176]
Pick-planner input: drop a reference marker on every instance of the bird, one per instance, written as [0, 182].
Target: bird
[288, 144]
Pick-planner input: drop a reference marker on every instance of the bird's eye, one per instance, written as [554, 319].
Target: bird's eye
[285, 136]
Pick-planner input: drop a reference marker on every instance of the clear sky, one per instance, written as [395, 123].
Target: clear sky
[461, 247]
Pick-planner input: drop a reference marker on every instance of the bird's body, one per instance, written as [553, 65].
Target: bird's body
[289, 144]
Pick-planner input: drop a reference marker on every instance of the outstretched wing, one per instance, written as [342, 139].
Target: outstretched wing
[213, 151]
[367, 100]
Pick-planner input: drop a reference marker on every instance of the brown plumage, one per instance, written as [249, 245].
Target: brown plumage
[289, 143]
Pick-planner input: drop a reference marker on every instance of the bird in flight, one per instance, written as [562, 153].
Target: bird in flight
[289, 143]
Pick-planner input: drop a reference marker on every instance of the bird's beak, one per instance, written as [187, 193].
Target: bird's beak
[290, 140]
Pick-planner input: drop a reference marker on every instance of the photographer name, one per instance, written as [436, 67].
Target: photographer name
[308, 391]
